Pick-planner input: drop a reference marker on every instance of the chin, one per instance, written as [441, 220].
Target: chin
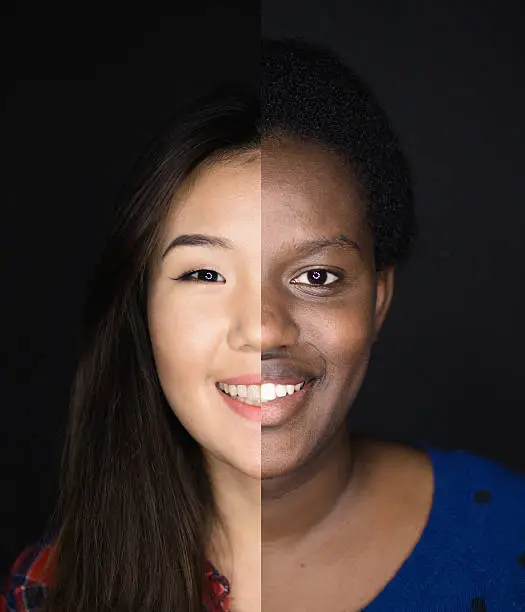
[249, 467]
[273, 468]
[245, 461]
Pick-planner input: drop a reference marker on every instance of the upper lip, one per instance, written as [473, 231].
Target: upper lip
[285, 372]
[243, 379]
[274, 371]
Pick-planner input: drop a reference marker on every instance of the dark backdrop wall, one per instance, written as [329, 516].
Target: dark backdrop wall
[83, 93]
[448, 368]
[82, 98]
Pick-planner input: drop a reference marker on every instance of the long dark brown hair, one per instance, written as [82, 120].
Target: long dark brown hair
[135, 502]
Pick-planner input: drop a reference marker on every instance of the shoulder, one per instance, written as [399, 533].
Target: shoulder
[486, 500]
[486, 482]
[473, 544]
[496, 494]
[30, 576]
[460, 476]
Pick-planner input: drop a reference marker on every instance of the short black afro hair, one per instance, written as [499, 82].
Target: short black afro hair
[308, 92]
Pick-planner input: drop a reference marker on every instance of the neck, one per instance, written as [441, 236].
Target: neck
[295, 506]
[279, 511]
[236, 538]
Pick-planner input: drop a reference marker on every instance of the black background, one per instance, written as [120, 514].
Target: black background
[83, 93]
[448, 368]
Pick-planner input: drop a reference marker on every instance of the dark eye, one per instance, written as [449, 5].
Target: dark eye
[203, 276]
[317, 278]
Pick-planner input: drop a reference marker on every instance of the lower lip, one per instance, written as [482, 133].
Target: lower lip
[272, 413]
[252, 413]
[281, 409]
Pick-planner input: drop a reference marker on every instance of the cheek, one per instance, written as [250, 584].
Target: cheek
[343, 336]
[184, 339]
[184, 336]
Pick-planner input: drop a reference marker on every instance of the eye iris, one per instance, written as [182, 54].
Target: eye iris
[318, 277]
[207, 275]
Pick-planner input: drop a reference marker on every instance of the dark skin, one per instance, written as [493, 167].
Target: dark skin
[340, 514]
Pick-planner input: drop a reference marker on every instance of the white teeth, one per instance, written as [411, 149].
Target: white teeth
[268, 392]
[281, 390]
[241, 390]
[256, 395]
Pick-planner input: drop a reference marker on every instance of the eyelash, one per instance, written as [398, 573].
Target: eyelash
[187, 277]
[338, 276]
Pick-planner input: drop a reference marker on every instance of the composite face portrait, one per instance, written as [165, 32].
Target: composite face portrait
[219, 454]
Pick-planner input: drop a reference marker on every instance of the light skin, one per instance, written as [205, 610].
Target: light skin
[286, 490]
[208, 330]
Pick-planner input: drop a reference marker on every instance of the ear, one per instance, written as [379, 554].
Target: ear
[384, 294]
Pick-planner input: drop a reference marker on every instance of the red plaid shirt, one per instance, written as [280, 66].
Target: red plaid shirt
[31, 575]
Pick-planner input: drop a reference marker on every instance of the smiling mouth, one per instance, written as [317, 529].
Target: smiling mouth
[256, 395]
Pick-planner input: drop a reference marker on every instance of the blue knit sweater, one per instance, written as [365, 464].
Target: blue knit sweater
[471, 556]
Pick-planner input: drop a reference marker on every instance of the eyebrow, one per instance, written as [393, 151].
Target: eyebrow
[311, 247]
[197, 240]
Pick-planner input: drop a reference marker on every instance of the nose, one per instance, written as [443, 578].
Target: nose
[245, 329]
[278, 328]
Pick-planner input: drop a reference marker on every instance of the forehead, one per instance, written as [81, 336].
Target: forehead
[310, 187]
[219, 190]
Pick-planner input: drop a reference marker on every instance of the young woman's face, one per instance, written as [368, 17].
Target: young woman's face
[292, 296]
[204, 309]
[322, 301]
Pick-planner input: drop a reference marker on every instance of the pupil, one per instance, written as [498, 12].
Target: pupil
[208, 275]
